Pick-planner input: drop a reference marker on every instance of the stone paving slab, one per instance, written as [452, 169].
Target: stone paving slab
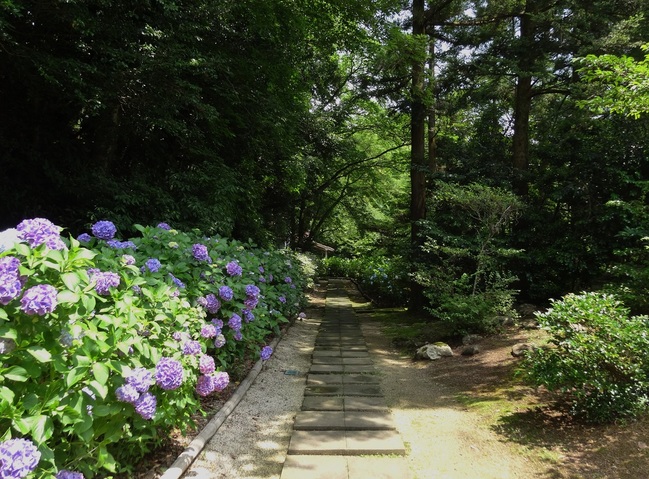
[345, 420]
[367, 403]
[346, 443]
[338, 379]
[323, 403]
[342, 467]
[339, 353]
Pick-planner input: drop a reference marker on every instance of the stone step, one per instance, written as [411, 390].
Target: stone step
[338, 403]
[343, 420]
[346, 443]
[345, 467]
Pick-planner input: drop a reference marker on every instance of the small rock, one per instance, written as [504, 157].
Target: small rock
[470, 350]
[530, 324]
[520, 349]
[433, 351]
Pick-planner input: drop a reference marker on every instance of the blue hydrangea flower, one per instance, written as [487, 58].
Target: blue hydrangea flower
[104, 281]
[250, 303]
[218, 323]
[220, 381]
[206, 364]
[145, 406]
[219, 342]
[10, 281]
[116, 244]
[164, 226]
[288, 280]
[252, 291]
[40, 231]
[200, 253]
[191, 348]
[266, 353]
[153, 265]
[238, 335]
[302, 315]
[39, 299]
[8, 238]
[177, 282]
[204, 385]
[235, 322]
[18, 457]
[261, 269]
[262, 279]
[104, 230]
[248, 316]
[233, 268]
[282, 299]
[226, 293]
[84, 238]
[127, 393]
[208, 331]
[169, 373]
[212, 304]
[140, 379]
[64, 474]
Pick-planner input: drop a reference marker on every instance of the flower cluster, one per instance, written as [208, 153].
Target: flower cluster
[210, 383]
[177, 281]
[235, 322]
[84, 238]
[200, 253]
[18, 457]
[8, 238]
[39, 300]
[233, 268]
[226, 293]
[208, 331]
[206, 364]
[64, 474]
[38, 231]
[169, 373]
[266, 353]
[104, 281]
[164, 226]
[10, 281]
[211, 303]
[135, 391]
[128, 260]
[153, 265]
[104, 230]
[116, 244]
[191, 348]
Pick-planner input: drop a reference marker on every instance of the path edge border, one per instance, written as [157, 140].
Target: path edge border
[196, 446]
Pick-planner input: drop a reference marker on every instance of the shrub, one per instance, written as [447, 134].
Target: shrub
[598, 357]
[107, 345]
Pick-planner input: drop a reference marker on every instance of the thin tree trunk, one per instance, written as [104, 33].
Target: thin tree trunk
[432, 118]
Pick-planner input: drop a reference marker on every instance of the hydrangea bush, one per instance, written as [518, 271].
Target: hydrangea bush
[106, 344]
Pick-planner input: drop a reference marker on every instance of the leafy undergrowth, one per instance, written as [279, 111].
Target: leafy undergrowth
[529, 421]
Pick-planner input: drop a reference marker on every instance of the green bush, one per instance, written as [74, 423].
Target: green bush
[80, 317]
[597, 358]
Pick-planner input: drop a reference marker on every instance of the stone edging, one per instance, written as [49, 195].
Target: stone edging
[187, 457]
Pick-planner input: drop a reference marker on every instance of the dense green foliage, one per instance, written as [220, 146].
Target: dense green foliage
[597, 358]
[62, 367]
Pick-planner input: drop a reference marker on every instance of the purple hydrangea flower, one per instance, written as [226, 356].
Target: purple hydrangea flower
[145, 406]
[121, 244]
[261, 269]
[212, 304]
[204, 386]
[248, 316]
[200, 253]
[206, 364]
[262, 279]
[226, 293]
[169, 373]
[218, 323]
[235, 322]
[191, 348]
[238, 335]
[164, 226]
[208, 331]
[233, 268]
[104, 230]
[64, 474]
[127, 393]
[38, 231]
[288, 280]
[104, 281]
[18, 457]
[220, 381]
[84, 238]
[128, 260]
[266, 353]
[219, 342]
[153, 265]
[137, 289]
[250, 303]
[177, 282]
[10, 282]
[282, 299]
[39, 299]
[252, 291]
[140, 379]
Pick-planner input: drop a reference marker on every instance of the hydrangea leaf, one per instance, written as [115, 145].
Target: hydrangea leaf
[75, 375]
[7, 394]
[40, 354]
[42, 429]
[71, 281]
[16, 373]
[101, 373]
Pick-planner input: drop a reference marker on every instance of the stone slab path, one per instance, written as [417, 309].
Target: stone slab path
[344, 429]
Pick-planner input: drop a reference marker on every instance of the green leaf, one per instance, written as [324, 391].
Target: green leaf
[16, 373]
[7, 332]
[68, 297]
[106, 410]
[40, 354]
[42, 429]
[30, 401]
[7, 394]
[71, 281]
[75, 375]
[101, 373]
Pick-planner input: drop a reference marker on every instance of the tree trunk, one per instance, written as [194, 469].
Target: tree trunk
[432, 118]
[418, 164]
[522, 108]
